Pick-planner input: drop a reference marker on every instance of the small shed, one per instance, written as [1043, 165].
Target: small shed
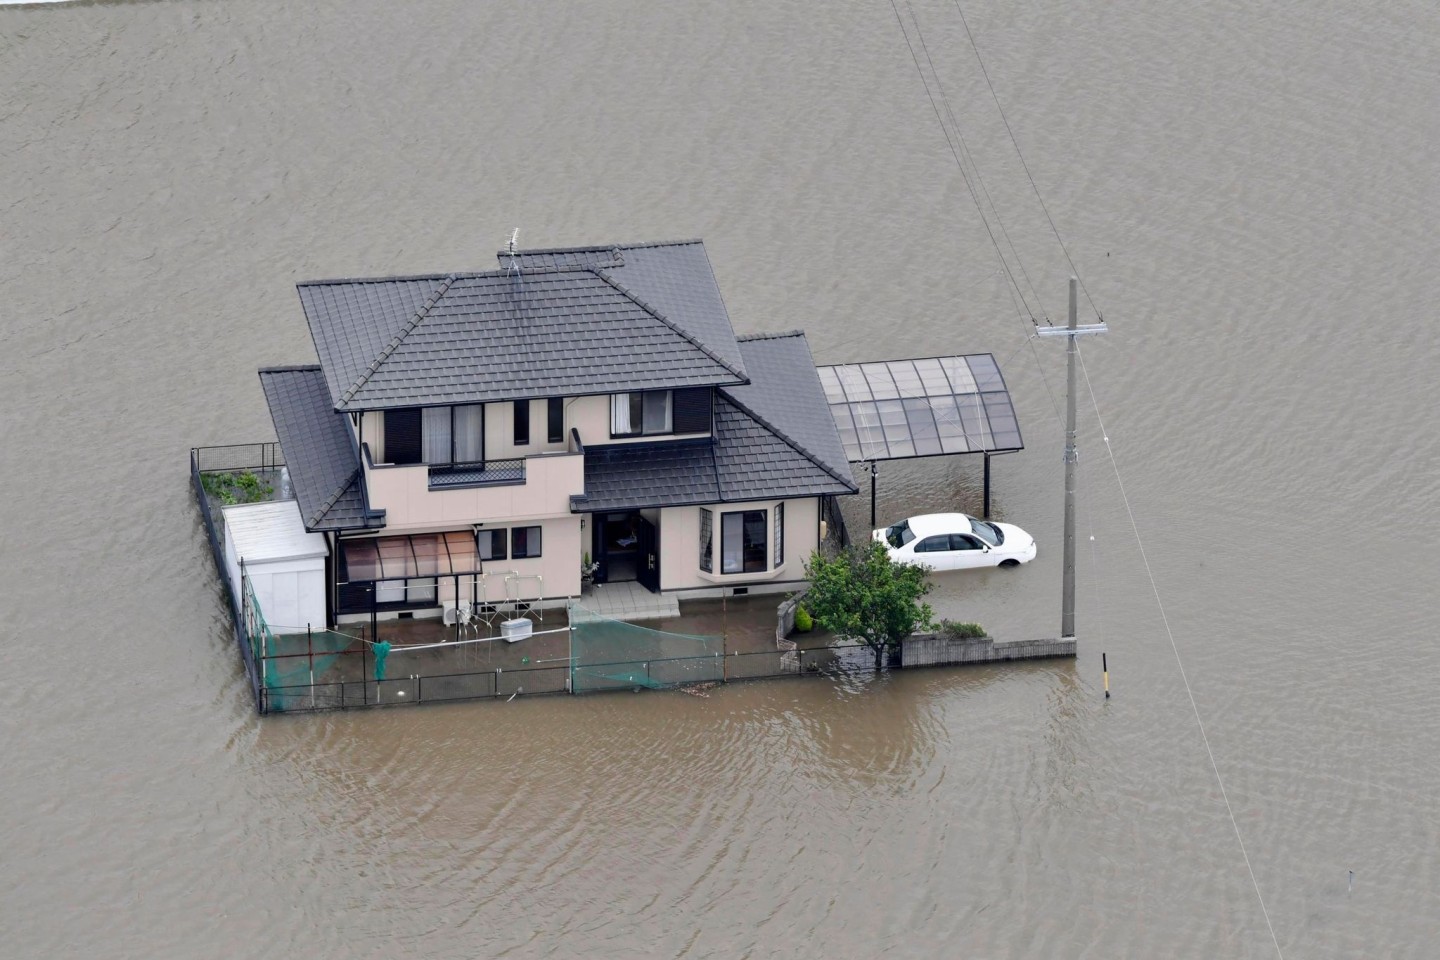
[285, 563]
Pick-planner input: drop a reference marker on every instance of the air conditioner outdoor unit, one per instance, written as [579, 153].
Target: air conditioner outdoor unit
[513, 630]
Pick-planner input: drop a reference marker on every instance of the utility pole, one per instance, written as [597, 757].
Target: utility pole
[1071, 331]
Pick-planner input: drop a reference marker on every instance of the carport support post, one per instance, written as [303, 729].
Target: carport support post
[1067, 601]
[987, 486]
[872, 494]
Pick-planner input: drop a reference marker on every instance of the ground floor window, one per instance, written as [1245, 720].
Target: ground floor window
[707, 536]
[524, 542]
[779, 534]
[492, 544]
[742, 542]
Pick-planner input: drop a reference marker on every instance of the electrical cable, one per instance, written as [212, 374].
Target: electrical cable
[1159, 604]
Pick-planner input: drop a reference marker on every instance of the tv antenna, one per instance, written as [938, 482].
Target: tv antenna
[510, 249]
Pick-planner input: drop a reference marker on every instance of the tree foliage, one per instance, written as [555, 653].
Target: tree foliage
[864, 595]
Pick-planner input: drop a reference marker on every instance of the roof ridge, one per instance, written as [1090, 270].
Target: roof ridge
[782, 335]
[334, 498]
[670, 323]
[399, 338]
[599, 247]
[786, 437]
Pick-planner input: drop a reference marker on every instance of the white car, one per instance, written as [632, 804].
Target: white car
[956, 541]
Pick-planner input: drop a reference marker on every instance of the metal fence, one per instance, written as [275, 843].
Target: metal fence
[217, 553]
[674, 673]
[414, 688]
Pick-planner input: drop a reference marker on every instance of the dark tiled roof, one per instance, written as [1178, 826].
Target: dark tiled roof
[629, 475]
[784, 394]
[324, 467]
[590, 320]
[745, 461]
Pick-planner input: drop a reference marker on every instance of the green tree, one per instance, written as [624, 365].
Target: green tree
[864, 595]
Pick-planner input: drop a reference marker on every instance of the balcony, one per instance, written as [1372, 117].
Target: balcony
[492, 473]
[424, 495]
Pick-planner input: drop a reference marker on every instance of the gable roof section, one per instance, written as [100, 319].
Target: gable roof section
[785, 396]
[323, 464]
[572, 321]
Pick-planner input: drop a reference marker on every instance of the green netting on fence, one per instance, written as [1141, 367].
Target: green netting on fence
[294, 662]
[613, 655]
[290, 664]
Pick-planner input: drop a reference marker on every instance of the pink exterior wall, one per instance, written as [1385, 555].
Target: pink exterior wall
[680, 544]
[404, 494]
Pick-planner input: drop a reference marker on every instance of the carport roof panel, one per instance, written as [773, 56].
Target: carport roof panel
[896, 409]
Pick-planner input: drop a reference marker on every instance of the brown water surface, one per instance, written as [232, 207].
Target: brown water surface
[1249, 191]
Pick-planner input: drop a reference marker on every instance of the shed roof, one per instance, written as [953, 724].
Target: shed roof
[550, 323]
[271, 532]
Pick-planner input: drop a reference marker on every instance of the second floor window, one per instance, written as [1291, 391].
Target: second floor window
[435, 434]
[555, 420]
[640, 414]
[522, 422]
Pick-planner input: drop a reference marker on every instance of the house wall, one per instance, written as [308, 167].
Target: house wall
[404, 494]
[372, 431]
[680, 544]
[590, 416]
[558, 565]
[500, 431]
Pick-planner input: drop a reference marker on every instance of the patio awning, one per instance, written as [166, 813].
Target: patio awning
[419, 555]
[897, 409]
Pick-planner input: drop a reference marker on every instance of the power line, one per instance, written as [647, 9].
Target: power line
[965, 149]
[955, 153]
[1023, 164]
[1135, 527]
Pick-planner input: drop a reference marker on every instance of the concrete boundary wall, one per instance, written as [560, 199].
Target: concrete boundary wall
[932, 650]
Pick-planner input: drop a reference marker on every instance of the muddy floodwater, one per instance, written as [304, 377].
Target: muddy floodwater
[1249, 192]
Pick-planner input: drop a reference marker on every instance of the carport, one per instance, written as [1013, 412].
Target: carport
[928, 407]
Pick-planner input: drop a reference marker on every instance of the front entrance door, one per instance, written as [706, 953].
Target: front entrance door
[647, 557]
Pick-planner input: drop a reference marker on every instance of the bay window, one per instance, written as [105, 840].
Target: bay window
[707, 537]
[742, 542]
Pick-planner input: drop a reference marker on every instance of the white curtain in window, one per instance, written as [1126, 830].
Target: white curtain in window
[731, 543]
[657, 411]
[435, 435]
[469, 433]
[620, 414]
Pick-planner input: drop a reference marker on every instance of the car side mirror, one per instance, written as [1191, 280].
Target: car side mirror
[985, 547]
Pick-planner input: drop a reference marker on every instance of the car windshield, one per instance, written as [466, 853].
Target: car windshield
[899, 534]
[987, 531]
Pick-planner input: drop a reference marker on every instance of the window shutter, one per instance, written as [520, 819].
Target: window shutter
[402, 435]
[555, 420]
[692, 410]
[522, 422]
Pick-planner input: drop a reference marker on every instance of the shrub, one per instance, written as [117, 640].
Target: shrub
[804, 623]
[961, 631]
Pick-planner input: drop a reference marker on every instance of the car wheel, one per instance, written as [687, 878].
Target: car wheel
[1012, 562]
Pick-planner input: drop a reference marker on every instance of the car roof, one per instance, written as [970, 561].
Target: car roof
[932, 523]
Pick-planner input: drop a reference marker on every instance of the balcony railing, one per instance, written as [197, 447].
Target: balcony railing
[491, 473]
